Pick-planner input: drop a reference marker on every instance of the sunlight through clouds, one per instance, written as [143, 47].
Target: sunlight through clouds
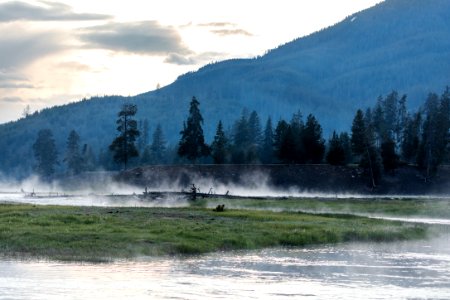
[77, 48]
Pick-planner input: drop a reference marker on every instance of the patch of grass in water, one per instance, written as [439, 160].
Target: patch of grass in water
[101, 234]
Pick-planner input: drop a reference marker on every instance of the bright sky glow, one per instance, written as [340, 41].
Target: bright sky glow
[57, 52]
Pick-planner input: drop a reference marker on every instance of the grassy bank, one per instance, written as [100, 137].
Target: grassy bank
[97, 234]
[434, 208]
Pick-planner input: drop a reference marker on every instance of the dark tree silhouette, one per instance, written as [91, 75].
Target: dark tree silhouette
[192, 144]
[123, 145]
[336, 151]
[358, 138]
[313, 141]
[267, 151]
[388, 155]
[411, 138]
[45, 153]
[435, 135]
[73, 157]
[219, 146]
[158, 147]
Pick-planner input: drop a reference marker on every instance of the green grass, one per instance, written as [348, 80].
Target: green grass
[434, 208]
[102, 234]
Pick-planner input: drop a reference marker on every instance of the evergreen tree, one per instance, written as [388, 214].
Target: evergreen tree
[45, 153]
[143, 139]
[88, 160]
[284, 142]
[336, 151]
[123, 145]
[297, 128]
[411, 138]
[388, 155]
[241, 139]
[344, 139]
[435, 135]
[219, 147]
[192, 144]
[358, 138]
[255, 137]
[267, 151]
[146, 157]
[362, 144]
[73, 157]
[313, 141]
[158, 147]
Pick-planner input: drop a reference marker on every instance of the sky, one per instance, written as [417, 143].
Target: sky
[56, 52]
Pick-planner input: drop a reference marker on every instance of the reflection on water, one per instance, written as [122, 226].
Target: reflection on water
[408, 270]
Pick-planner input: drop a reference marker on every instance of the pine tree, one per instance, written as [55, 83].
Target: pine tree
[142, 141]
[388, 155]
[344, 139]
[45, 153]
[363, 145]
[411, 138]
[146, 157]
[313, 141]
[219, 147]
[358, 138]
[73, 157]
[241, 139]
[284, 142]
[267, 151]
[158, 147]
[336, 151]
[88, 160]
[123, 145]
[255, 137]
[192, 144]
[435, 134]
[297, 128]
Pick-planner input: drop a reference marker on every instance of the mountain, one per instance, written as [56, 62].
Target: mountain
[398, 44]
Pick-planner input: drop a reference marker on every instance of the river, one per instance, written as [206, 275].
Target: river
[404, 270]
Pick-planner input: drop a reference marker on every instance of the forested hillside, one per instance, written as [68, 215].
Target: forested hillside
[401, 45]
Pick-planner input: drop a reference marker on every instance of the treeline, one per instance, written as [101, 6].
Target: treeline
[382, 138]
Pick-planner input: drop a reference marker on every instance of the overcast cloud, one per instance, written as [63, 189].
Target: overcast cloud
[147, 37]
[20, 47]
[47, 11]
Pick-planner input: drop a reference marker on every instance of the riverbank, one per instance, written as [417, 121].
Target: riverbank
[313, 179]
[105, 233]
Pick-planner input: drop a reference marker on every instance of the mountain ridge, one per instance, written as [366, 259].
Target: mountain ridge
[396, 45]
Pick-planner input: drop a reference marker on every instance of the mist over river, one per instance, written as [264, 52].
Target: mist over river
[402, 270]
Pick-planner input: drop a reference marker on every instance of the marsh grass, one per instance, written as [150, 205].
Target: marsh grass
[437, 208]
[102, 234]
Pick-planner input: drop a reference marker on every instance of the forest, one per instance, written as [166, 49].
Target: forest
[382, 138]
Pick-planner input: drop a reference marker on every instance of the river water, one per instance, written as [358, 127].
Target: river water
[406, 270]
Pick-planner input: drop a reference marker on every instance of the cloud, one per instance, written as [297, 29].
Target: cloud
[12, 85]
[225, 32]
[47, 11]
[20, 47]
[178, 59]
[147, 37]
[74, 66]
[217, 24]
[226, 28]
[14, 81]
[11, 100]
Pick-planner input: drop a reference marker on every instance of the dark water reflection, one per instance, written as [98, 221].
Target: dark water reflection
[408, 270]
